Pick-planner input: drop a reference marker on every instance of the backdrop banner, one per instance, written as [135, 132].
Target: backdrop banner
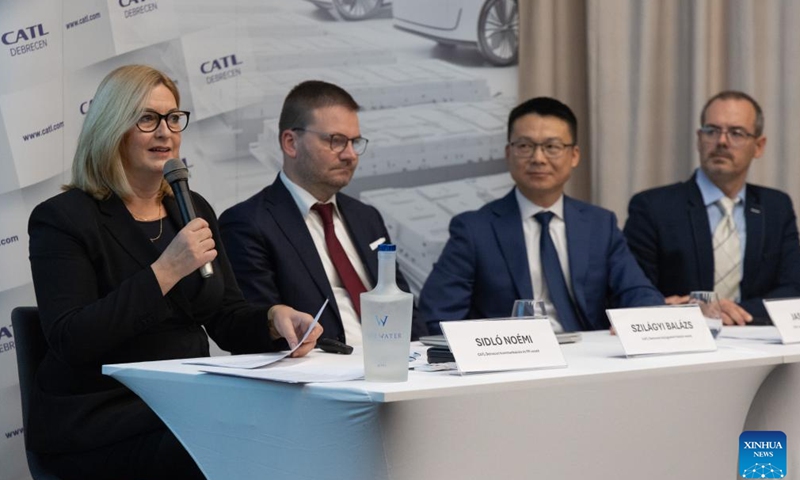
[435, 115]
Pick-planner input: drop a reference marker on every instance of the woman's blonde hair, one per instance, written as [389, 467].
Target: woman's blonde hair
[118, 103]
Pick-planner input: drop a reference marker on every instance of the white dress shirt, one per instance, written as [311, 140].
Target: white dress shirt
[558, 232]
[304, 201]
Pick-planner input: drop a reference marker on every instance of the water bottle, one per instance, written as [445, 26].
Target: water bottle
[386, 323]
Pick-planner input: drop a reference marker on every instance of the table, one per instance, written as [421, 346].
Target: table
[605, 416]
[775, 406]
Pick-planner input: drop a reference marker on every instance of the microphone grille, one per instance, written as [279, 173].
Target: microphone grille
[175, 170]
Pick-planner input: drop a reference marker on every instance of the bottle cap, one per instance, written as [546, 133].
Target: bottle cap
[387, 247]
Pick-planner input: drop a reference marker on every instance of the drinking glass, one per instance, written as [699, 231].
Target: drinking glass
[709, 305]
[529, 308]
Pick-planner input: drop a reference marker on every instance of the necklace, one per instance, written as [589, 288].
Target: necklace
[160, 223]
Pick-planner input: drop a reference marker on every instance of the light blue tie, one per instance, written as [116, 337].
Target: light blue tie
[554, 277]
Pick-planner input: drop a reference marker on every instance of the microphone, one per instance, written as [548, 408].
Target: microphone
[177, 175]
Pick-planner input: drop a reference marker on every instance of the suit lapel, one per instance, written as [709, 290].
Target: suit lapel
[754, 245]
[360, 234]
[701, 233]
[507, 226]
[119, 223]
[122, 227]
[280, 203]
[578, 238]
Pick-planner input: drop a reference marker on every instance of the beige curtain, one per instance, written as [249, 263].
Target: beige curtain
[637, 73]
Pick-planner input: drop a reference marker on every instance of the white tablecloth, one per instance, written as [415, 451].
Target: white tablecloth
[605, 416]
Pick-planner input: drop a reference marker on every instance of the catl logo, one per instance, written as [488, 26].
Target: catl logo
[85, 106]
[6, 340]
[23, 34]
[219, 64]
[381, 321]
[128, 3]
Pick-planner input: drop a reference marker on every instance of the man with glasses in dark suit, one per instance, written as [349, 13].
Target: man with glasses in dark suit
[537, 242]
[716, 231]
[300, 240]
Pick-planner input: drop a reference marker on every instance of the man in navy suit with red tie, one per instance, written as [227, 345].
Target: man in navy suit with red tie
[537, 242]
[715, 231]
[300, 240]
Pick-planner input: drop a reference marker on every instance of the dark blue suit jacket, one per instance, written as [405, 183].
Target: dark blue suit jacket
[484, 266]
[275, 259]
[669, 233]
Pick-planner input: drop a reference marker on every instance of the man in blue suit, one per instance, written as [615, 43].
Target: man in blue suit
[678, 232]
[536, 242]
[300, 240]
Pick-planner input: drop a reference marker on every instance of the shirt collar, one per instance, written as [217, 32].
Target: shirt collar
[527, 209]
[302, 197]
[710, 192]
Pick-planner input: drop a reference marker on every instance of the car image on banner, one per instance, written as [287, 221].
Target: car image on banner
[491, 25]
[352, 9]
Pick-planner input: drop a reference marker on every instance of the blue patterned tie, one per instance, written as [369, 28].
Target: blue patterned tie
[554, 277]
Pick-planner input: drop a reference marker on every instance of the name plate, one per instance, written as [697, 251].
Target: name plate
[662, 330]
[500, 345]
[785, 314]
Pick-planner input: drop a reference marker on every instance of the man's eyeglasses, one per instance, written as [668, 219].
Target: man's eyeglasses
[552, 149]
[737, 136]
[176, 121]
[338, 141]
